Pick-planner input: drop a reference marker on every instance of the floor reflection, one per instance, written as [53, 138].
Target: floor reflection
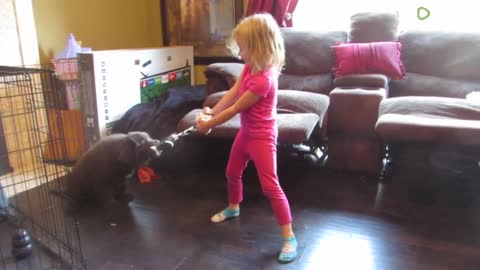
[339, 250]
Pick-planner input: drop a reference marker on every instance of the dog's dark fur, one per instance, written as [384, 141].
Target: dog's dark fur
[100, 175]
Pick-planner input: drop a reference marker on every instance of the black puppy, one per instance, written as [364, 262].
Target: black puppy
[100, 175]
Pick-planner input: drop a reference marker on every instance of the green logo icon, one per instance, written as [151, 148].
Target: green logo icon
[423, 13]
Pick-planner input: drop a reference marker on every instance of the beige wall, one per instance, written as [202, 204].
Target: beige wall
[99, 24]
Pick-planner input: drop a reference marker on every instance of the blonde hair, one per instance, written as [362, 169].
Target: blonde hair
[263, 40]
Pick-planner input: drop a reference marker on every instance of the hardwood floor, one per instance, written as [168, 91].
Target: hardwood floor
[418, 220]
[342, 221]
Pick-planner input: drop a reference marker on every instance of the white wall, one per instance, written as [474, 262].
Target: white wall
[19, 45]
[456, 16]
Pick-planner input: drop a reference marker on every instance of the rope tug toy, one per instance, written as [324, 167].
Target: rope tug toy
[146, 174]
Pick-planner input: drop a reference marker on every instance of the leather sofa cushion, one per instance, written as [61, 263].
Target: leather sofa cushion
[230, 71]
[289, 101]
[293, 128]
[222, 76]
[429, 120]
[308, 52]
[362, 81]
[299, 114]
[354, 111]
[318, 83]
[373, 27]
[448, 55]
[425, 85]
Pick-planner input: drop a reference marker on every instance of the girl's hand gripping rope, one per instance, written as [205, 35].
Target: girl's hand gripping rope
[201, 120]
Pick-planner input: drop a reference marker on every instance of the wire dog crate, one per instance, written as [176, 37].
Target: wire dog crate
[35, 230]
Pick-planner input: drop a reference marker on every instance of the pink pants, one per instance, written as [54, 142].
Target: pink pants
[263, 152]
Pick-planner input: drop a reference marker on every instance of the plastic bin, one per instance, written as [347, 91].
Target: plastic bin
[66, 68]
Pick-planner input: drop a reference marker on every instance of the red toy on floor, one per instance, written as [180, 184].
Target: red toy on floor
[146, 175]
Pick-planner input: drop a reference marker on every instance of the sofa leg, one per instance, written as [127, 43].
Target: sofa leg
[387, 168]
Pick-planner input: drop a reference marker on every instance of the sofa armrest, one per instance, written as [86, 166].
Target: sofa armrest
[354, 112]
[353, 144]
[222, 76]
[213, 99]
[362, 80]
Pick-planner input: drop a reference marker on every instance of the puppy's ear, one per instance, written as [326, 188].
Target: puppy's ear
[126, 152]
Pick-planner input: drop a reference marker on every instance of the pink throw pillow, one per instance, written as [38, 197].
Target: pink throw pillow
[374, 57]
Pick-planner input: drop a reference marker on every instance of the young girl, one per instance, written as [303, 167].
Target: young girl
[258, 41]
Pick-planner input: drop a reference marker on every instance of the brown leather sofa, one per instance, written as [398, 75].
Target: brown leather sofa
[427, 121]
[303, 100]
[437, 64]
